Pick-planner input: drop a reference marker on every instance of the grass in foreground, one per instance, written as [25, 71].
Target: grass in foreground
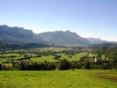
[56, 79]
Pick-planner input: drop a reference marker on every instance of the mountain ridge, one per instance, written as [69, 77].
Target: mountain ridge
[17, 35]
[20, 35]
[66, 38]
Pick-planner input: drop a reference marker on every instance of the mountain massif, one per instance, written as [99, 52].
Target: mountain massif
[66, 38]
[18, 36]
[13, 35]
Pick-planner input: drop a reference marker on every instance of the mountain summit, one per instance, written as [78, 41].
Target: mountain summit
[66, 38]
[16, 35]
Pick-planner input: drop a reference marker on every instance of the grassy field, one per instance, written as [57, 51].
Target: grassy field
[50, 58]
[53, 49]
[44, 58]
[58, 79]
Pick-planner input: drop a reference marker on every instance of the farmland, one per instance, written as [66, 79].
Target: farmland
[52, 58]
[56, 68]
[40, 54]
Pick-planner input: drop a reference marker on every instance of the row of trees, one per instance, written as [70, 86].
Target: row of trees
[29, 65]
[84, 63]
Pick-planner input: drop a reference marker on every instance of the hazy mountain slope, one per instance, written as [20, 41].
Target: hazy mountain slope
[104, 46]
[96, 41]
[3, 46]
[16, 35]
[16, 38]
[64, 38]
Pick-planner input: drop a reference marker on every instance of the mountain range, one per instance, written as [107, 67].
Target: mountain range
[19, 35]
[13, 35]
[66, 38]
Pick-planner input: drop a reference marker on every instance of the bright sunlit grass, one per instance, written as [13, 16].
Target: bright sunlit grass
[55, 79]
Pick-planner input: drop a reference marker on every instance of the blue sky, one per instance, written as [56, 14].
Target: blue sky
[89, 18]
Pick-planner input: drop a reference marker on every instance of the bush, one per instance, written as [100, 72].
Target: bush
[78, 65]
[0, 66]
[87, 65]
[57, 57]
[28, 65]
[75, 65]
[114, 64]
[7, 67]
[64, 65]
[106, 65]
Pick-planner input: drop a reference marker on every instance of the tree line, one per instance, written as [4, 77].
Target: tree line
[63, 64]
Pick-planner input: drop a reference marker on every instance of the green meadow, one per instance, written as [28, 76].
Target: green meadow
[50, 58]
[74, 78]
[58, 79]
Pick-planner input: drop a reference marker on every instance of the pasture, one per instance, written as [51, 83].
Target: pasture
[58, 79]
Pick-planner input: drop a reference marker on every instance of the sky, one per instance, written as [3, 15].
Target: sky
[88, 18]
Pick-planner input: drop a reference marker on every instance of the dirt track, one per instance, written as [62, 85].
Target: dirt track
[109, 77]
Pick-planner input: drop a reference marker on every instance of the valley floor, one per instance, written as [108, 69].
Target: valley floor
[58, 79]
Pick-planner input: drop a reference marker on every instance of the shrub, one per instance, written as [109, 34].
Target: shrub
[7, 67]
[28, 65]
[63, 64]
[75, 65]
[0, 66]
[57, 57]
[78, 65]
[87, 65]
[106, 65]
[114, 64]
